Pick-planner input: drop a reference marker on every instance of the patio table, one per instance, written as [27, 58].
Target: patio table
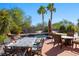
[23, 42]
[69, 39]
[62, 34]
[26, 42]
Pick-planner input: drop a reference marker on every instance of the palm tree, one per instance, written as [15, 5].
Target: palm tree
[4, 21]
[51, 8]
[17, 15]
[42, 11]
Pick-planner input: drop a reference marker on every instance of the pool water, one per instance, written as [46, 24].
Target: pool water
[38, 35]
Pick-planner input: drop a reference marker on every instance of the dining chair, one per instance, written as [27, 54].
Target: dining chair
[8, 51]
[19, 51]
[75, 42]
[37, 48]
[70, 33]
[70, 41]
[57, 40]
[24, 52]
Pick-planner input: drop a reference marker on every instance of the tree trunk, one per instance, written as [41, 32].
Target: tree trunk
[51, 19]
[43, 22]
[51, 16]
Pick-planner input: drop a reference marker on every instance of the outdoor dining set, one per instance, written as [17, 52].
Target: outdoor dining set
[29, 46]
[68, 39]
[24, 47]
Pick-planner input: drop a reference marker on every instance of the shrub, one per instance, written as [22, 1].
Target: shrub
[2, 38]
[70, 28]
[62, 29]
[46, 29]
[16, 30]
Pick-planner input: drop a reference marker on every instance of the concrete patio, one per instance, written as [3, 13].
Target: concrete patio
[49, 50]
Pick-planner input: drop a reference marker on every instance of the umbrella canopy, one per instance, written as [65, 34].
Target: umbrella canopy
[49, 26]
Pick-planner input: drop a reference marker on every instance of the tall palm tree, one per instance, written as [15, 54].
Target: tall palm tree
[51, 8]
[42, 11]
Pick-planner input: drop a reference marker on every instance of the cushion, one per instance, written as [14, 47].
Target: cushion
[76, 41]
[34, 49]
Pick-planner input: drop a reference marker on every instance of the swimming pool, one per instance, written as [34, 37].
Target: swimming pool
[38, 35]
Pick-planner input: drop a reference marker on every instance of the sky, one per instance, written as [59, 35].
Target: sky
[69, 11]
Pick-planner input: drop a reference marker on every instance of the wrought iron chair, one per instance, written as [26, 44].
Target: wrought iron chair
[20, 51]
[8, 51]
[70, 41]
[37, 48]
[58, 40]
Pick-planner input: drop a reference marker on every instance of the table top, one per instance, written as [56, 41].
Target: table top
[63, 34]
[24, 42]
[70, 37]
[67, 37]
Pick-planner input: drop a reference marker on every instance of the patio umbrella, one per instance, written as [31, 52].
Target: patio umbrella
[49, 26]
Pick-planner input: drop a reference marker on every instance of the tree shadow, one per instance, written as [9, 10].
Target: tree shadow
[50, 42]
[54, 51]
[76, 51]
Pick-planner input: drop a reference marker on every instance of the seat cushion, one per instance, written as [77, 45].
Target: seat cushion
[76, 41]
[34, 49]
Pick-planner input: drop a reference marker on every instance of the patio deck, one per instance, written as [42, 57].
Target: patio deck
[49, 50]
